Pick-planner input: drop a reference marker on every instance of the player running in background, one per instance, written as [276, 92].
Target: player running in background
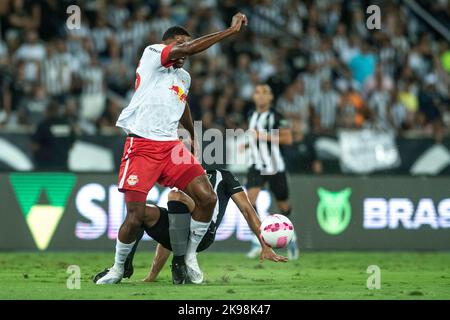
[267, 163]
[153, 153]
[156, 225]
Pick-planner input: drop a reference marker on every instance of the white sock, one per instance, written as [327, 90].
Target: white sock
[294, 240]
[122, 251]
[198, 230]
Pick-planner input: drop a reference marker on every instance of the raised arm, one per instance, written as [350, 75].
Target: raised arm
[201, 44]
[160, 259]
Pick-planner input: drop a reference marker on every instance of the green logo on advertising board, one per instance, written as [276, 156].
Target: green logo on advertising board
[42, 198]
[334, 211]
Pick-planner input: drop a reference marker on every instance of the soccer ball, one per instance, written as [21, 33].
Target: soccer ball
[277, 231]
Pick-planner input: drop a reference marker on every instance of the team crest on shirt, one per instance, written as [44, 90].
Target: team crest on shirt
[132, 179]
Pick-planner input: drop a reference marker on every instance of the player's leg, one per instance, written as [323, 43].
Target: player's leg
[195, 275]
[209, 238]
[279, 186]
[255, 181]
[159, 231]
[253, 195]
[255, 248]
[128, 233]
[152, 216]
[179, 207]
[128, 265]
[138, 173]
[157, 226]
[181, 235]
[189, 176]
[201, 191]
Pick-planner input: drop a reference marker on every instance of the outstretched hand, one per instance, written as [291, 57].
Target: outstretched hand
[238, 20]
[268, 254]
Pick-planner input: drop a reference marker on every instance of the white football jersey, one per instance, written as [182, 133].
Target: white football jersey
[159, 98]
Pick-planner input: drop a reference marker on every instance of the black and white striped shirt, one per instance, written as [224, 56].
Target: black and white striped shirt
[265, 19]
[312, 83]
[326, 107]
[127, 39]
[92, 80]
[100, 37]
[265, 155]
[141, 30]
[225, 184]
[320, 58]
[160, 25]
[379, 102]
[300, 106]
[117, 15]
[50, 75]
[56, 74]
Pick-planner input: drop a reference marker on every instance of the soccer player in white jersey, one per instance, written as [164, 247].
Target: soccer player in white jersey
[153, 152]
[156, 225]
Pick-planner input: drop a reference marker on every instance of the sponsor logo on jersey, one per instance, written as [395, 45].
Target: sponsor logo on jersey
[179, 92]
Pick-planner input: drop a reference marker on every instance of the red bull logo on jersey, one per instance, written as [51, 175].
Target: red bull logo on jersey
[179, 92]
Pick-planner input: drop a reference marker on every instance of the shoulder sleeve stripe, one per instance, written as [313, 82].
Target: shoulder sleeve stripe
[165, 62]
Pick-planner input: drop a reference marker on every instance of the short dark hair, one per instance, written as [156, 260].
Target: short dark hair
[262, 84]
[175, 31]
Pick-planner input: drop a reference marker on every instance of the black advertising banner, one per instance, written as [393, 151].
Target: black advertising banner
[66, 211]
[374, 213]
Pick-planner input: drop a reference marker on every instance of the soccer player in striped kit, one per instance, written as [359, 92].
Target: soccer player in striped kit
[267, 162]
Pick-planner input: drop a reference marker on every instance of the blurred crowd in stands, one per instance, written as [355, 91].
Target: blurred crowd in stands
[326, 68]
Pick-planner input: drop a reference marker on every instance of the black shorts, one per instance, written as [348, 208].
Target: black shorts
[160, 232]
[277, 182]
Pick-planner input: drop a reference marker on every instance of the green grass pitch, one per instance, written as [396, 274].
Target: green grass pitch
[324, 275]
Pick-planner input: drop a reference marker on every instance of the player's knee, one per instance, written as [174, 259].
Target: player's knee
[180, 196]
[210, 199]
[134, 222]
[206, 199]
[135, 215]
[175, 195]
